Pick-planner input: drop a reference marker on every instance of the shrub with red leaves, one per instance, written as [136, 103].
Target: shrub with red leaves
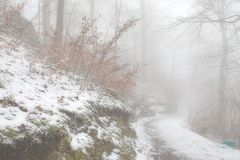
[9, 12]
[94, 59]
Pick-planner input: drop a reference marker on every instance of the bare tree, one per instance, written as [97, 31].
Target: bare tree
[3, 5]
[213, 12]
[224, 60]
[118, 8]
[92, 9]
[39, 18]
[217, 13]
[46, 17]
[143, 31]
[59, 25]
[92, 13]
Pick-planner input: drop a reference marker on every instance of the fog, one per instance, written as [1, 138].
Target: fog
[177, 45]
[167, 60]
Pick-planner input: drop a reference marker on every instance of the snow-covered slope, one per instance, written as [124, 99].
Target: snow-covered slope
[35, 99]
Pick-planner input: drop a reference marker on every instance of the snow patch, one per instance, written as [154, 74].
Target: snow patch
[143, 145]
[81, 141]
[112, 156]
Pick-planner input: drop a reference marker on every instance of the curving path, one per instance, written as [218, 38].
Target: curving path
[165, 137]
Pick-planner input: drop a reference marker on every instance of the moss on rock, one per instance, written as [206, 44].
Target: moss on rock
[28, 145]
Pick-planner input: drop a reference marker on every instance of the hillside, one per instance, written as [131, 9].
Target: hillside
[54, 115]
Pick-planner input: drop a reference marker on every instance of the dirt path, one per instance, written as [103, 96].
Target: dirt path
[159, 151]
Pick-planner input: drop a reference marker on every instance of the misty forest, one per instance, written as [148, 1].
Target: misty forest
[119, 80]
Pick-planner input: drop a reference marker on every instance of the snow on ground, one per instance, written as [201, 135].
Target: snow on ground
[112, 156]
[178, 140]
[41, 93]
[143, 145]
[187, 143]
[81, 140]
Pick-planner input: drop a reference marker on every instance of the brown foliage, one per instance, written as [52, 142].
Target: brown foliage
[94, 59]
[10, 12]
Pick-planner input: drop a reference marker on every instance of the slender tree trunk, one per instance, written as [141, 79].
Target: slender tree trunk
[173, 67]
[3, 5]
[223, 65]
[143, 41]
[172, 89]
[59, 26]
[39, 18]
[92, 14]
[118, 7]
[46, 17]
[143, 32]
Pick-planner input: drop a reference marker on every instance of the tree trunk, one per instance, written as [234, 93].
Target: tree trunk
[92, 13]
[143, 32]
[143, 41]
[223, 65]
[3, 6]
[39, 18]
[59, 26]
[46, 16]
[118, 7]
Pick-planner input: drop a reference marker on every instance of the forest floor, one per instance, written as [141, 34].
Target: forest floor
[166, 137]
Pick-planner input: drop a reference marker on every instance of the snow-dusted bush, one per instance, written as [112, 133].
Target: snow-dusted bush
[14, 24]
